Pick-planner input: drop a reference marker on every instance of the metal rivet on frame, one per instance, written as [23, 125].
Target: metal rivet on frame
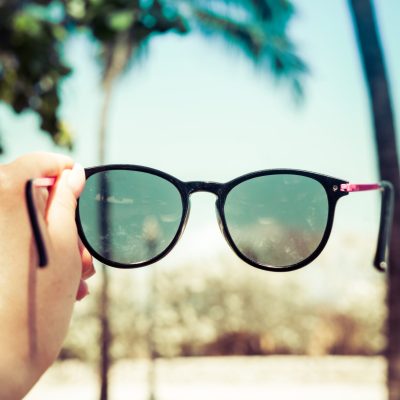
[335, 188]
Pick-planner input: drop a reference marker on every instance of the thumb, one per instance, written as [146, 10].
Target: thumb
[76, 179]
[63, 196]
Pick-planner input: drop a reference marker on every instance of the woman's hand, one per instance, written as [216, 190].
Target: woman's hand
[36, 304]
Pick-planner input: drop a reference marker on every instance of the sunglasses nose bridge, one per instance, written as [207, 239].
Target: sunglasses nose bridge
[198, 186]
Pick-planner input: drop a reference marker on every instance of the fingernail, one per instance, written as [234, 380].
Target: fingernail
[83, 290]
[88, 272]
[76, 179]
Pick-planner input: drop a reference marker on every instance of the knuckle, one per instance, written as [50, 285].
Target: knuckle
[10, 183]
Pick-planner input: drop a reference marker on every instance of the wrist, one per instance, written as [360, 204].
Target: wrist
[19, 372]
[16, 379]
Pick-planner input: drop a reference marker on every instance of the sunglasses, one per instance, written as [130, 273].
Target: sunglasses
[130, 216]
[277, 220]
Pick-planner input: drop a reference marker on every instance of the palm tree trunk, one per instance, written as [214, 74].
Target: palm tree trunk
[385, 136]
[118, 59]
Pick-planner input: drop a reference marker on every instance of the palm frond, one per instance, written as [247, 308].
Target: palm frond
[265, 44]
[124, 42]
[277, 11]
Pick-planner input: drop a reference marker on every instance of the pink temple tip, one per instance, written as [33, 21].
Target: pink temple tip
[44, 182]
[359, 187]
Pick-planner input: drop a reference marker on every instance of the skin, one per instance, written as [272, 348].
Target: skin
[36, 304]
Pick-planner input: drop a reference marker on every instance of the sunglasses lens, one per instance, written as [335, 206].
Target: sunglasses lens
[277, 220]
[129, 217]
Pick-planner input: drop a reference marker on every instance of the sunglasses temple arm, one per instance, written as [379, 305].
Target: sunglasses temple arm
[32, 212]
[381, 260]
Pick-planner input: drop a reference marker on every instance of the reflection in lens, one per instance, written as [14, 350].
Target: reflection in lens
[129, 216]
[277, 220]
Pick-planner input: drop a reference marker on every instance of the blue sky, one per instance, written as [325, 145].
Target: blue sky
[201, 112]
[193, 101]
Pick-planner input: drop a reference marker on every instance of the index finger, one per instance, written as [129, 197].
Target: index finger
[40, 164]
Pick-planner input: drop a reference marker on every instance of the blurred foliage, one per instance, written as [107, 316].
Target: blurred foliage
[31, 67]
[33, 34]
[225, 311]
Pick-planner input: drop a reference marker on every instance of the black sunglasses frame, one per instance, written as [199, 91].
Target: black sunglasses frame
[332, 186]
[37, 234]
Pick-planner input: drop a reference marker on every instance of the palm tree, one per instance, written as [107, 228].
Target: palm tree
[257, 28]
[372, 59]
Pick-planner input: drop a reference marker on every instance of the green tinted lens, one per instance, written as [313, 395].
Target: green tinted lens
[277, 220]
[129, 216]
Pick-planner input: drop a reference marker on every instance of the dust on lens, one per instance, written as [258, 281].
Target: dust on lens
[129, 216]
[277, 220]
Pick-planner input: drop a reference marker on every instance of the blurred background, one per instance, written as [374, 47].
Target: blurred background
[211, 90]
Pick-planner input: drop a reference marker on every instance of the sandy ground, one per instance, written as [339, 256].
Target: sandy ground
[233, 378]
